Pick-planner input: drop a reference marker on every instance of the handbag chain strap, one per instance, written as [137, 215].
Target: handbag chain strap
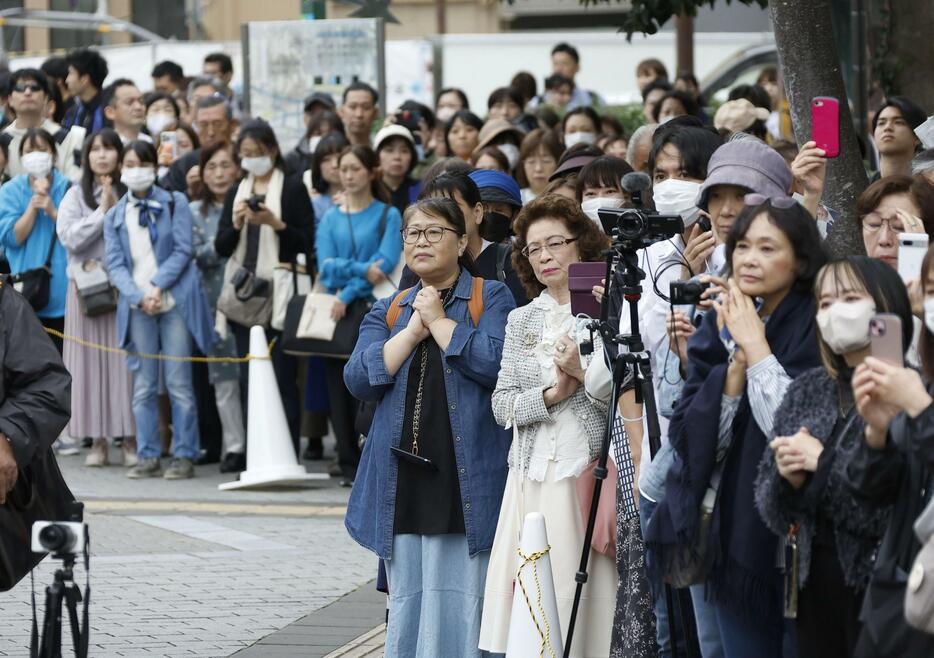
[423, 366]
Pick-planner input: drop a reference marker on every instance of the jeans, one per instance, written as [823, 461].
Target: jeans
[166, 334]
[745, 636]
[708, 631]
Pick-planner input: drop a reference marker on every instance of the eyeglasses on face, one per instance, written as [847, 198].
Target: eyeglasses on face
[554, 244]
[433, 234]
[872, 223]
[780, 202]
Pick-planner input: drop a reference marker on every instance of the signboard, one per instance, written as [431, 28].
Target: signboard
[285, 61]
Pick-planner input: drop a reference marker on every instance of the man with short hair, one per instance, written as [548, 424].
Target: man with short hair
[215, 123]
[126, 110]
[893, 132]
[565, 61]
[29, 94]
[640, 146]
[87, 71]
[358, 111]
[218, 66]
[167, 77]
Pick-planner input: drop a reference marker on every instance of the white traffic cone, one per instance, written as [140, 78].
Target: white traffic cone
[270, 457]
[534, 619]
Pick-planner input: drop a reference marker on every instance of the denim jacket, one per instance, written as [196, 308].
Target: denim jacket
[471, 364]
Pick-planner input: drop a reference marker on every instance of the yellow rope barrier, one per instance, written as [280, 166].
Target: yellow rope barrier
[546, 634]
[160, 357]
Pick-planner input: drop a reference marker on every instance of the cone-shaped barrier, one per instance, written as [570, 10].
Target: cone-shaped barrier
[270, 457]
[534, 628]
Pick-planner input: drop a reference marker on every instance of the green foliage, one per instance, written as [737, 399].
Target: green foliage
[647, 16]
[629, 115]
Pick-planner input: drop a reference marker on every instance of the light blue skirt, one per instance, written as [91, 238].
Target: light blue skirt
[435, 597]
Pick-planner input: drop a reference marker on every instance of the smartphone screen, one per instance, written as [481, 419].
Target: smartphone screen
[168, 143]
[825, 124]
[912, 248]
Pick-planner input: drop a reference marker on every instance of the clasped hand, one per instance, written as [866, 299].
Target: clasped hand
[738, 313]
[796, 455]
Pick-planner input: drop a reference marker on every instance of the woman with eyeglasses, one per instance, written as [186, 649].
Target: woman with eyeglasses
[430, 480]
[759, 336]
[555, 401]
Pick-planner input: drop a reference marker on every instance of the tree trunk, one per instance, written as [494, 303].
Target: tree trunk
[811, 67]
[912, 50]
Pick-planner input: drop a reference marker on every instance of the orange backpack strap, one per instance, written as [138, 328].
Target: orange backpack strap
[395, 308]
[475, 303]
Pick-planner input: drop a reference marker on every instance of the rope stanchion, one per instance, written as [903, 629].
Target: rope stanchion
[160, 357]
[546, 634]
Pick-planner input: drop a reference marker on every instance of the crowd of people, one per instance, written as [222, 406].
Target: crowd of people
[776, 517]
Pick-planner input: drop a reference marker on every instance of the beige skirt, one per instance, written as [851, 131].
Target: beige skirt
[558, 502]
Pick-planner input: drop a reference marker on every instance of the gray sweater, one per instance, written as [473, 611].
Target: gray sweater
[812, 401]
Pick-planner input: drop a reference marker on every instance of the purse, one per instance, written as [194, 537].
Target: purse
[246, 298]
[40, 494]
[919, 594]
[34, 284]
[95, 293]
[288, 280]
[604, 531]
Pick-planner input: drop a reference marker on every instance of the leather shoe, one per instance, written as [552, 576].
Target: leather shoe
[233, 462]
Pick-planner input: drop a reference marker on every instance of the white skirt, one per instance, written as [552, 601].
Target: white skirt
[558, 502]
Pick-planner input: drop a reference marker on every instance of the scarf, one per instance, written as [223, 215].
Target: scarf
[744, 575]
[149, 211]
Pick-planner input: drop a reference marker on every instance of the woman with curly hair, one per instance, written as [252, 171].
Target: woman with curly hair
[556, 401]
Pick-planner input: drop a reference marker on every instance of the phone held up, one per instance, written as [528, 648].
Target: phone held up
[911, 250]
[582, 277]
[825, 124]
[885, 339]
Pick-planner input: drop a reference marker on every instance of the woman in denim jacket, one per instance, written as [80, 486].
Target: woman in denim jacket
[432, 372]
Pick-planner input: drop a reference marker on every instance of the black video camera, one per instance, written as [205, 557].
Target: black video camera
[253, 202]
[638, 228]
[684, 293]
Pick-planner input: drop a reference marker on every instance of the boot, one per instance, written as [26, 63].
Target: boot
[98, 454]
[128, 450]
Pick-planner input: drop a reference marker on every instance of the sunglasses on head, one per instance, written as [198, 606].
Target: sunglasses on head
[22, 87]
[781, 202]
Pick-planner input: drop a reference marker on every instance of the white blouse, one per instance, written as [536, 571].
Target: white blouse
[145, 265]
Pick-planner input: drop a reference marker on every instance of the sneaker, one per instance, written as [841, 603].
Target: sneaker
[180, 468]
[66, 446]
[128, 450]
[148, 467]
[98, 455]
[234, 462]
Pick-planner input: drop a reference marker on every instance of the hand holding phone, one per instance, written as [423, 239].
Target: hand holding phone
[885, 339]
[825, 125]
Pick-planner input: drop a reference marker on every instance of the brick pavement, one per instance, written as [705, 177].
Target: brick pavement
[189, 582]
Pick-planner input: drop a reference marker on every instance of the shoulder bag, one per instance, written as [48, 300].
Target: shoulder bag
[96, 295]
[919, 594]
[246, 298]
[34, 284]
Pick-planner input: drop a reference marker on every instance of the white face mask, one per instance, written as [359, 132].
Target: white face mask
[445, 113]
[579, 138]
[138, 179]
[259, 166]
[844, 326]
[590, 207]
[511, 151]
[37, 164]
[313, 143]
[929, 314]
[676, 197]
[156, 123]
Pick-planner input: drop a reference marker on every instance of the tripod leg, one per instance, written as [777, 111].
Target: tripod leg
[72, 597]
[51, 646]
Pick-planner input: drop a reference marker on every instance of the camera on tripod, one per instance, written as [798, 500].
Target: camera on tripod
[636, 227]
[58, 537]
[687, 293]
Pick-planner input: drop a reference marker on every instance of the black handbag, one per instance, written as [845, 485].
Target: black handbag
[34, 284]
[40, 494]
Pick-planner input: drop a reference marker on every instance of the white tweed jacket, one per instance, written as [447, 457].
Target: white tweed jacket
[518, 400]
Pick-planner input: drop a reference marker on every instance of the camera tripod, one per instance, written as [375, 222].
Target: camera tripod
[637, 361]
[62, 590]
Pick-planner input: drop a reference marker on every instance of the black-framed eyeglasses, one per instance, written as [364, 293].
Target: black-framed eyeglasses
[553, 244]
[433, 234]
[23, 87]
[780, 202]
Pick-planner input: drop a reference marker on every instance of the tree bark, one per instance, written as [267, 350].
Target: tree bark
[912, 50]
[811, 67]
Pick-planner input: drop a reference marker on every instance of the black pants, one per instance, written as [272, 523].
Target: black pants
[828, 610]
[286, 369]
[343, 413]
[59, 325]
[209, 422]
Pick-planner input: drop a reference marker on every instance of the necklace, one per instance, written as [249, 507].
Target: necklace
[423, 366]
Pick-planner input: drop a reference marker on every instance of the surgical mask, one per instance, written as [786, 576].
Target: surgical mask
[138, 179]
[37, 164]
[590, 207]
[511, 151]
[496, 226]
[929, 314]
[156, 123]
[844, 326]
[571, 139]
[259, 166]
[313, 143]
[676, 197]
[444, 114]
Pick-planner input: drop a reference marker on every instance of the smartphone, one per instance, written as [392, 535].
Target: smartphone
[885, 339]
[168, 143]
[912, 248]
[825, 124]
[582, 277]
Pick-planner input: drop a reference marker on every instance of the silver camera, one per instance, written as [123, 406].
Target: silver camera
[58, 537]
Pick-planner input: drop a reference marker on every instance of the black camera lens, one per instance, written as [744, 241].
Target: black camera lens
[56, 537]
[631, 225]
